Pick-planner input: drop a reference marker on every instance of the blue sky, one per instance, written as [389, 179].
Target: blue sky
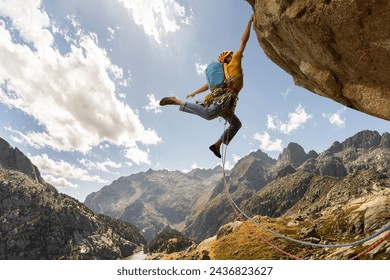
[80, 82]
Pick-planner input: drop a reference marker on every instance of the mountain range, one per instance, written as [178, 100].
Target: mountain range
[336, 196]
[296, 184]
[154, 200]
[38, 222]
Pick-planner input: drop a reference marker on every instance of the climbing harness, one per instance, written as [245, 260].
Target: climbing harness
[226, 96]
[240, 214]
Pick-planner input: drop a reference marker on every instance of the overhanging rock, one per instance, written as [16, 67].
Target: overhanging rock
[335, 48]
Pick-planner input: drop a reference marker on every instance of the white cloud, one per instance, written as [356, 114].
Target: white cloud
[118, 75]
[153, 105]
[200, 68]
[137, 155]
[101, 166]
[104, 146]
[295, 121]
[59, 183]
[287, 92]
[72, 95]
[157, 17]
[111, 33]
[193, 166]
[336, 119]
[29, 21]
[228, 165]
[236, 158]
[271, 122]
[63, 169]
[267, 144]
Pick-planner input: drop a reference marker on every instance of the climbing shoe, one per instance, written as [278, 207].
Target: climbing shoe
[169, 101]
[215, 150]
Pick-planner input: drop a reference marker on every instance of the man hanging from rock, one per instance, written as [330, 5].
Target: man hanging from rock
[225, 80]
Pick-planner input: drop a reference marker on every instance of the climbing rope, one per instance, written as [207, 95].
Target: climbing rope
[235, 208]
[372, 247]
[241, 213]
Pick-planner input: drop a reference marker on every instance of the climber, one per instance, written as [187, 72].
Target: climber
[223, 98]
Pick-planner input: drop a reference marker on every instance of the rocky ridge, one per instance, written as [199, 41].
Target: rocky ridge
[248, 176]
[365, 150]
[339, 196]
[167, 242]
[154, 200]
[38, 222]
[305, 189]
[13, 159]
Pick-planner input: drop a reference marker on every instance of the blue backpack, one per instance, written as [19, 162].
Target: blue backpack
[215, 75]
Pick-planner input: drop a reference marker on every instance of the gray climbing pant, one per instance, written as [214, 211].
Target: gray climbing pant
[211, 112]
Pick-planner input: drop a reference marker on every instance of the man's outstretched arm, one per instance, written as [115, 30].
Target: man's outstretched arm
[246, 34]
[200, 90]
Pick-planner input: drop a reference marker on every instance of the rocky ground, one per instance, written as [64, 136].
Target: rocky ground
[38, 222]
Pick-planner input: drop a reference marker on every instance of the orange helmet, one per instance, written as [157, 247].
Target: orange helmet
[224, 55]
